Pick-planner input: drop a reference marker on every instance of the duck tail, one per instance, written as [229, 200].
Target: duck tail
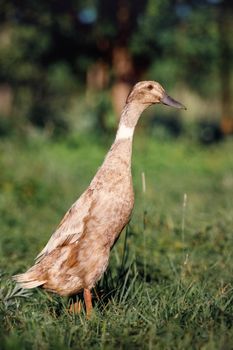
[30, 279]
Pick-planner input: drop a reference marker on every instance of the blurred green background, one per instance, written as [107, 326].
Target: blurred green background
[67, 66]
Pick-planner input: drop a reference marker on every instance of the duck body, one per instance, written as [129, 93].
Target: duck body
[77, 253]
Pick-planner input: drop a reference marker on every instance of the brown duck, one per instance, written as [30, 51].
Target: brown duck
[77, 254]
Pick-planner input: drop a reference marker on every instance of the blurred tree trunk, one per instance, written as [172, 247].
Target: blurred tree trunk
[97, 82]
[117, 23]
[122, 61]
[124, 72]
[6, 99]
[225, 37]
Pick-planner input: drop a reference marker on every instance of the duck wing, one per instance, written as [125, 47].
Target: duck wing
[72, 225]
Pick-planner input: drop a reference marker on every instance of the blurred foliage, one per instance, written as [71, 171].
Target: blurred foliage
[46, 48]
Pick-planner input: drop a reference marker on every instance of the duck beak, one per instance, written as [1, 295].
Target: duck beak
[169, 101]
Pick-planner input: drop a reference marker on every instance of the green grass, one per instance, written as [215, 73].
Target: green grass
[169, 283]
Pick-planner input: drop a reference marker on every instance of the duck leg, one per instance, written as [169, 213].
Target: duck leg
[75, 307]
[88, 301]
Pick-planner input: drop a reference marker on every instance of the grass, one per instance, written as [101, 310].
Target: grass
[169, 283]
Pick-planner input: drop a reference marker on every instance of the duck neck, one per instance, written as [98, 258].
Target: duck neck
[128, 121]
[121, 149]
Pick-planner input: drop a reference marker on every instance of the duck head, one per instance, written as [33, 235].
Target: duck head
[148, 93]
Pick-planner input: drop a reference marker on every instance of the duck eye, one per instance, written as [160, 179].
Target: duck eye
[150, 87]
